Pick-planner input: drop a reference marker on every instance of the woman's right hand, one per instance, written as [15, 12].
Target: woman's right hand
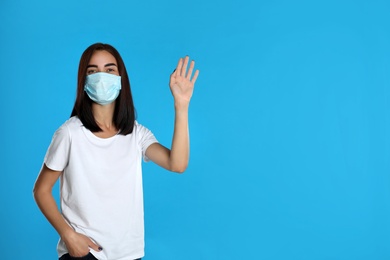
[78, 245]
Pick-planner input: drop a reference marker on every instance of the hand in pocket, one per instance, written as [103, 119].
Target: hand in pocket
[78, 245]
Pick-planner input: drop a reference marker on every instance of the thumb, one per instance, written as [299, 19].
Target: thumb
[94, 246]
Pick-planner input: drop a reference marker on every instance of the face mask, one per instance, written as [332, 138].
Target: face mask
[103, 88]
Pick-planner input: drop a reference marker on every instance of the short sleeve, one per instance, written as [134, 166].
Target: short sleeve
[57, 155]
[145, 139]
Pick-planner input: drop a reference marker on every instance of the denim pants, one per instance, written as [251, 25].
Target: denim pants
[87, 257]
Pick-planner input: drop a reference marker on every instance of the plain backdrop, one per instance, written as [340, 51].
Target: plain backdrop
[289, 122]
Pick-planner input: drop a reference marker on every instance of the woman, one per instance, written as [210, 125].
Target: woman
[97, 155]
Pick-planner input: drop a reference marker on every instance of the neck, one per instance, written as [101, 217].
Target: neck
[104, 115]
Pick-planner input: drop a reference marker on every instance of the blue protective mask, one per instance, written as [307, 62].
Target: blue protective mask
[103, 88]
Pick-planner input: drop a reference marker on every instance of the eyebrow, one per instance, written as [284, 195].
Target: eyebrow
[107, 65]
[110, 64]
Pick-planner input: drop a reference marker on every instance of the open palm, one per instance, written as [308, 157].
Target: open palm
[182, 81]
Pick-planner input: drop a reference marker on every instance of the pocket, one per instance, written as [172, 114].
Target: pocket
[89, 256]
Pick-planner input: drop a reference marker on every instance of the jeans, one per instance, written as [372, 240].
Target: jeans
[87, 257]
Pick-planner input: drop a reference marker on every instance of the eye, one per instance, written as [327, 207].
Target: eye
[110, 70]
[91, 71]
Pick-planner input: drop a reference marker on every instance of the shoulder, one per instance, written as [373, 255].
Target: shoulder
[72, 124]
[137, 125]
[69, 126]
[139, 128]
[73, 121]
[144, 136]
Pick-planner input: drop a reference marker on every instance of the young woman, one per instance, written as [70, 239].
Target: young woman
[97, 155]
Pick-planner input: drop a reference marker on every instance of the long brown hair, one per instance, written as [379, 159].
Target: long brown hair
[124, 113]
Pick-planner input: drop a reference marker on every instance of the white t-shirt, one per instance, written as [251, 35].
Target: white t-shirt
[101, 187]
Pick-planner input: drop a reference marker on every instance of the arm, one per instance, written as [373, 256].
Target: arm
[77, 244]
[182, 86]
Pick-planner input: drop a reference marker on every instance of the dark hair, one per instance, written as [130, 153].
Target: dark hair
[124, 113]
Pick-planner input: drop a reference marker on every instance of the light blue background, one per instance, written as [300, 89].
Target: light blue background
[289, 122]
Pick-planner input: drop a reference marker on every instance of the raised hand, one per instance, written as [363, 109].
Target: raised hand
[182, 81]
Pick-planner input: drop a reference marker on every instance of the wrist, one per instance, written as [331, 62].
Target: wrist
[67, 233]
[181, 104]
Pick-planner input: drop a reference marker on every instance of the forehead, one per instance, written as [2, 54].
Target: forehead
[102, 57]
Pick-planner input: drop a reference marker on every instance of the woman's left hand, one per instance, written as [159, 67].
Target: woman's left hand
[182, 81]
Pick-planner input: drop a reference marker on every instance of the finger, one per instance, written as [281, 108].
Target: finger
[173, 73]
[196, 74]
[93, 245]
[184, 67]
[189, 73]
[178, 67]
